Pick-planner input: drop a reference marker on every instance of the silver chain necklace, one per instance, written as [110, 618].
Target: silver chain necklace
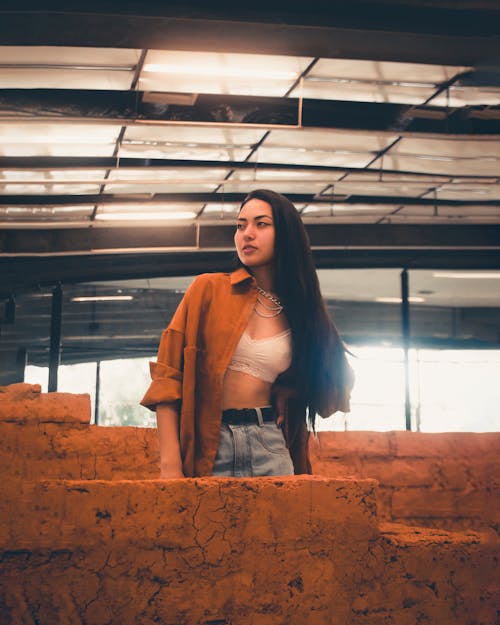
[274, 310]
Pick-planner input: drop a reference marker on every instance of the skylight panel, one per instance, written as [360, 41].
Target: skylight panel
[219, 73]
[468, 96]
[45, 213]
[59, 175]
[346, 210]
[280, 186]
[220, 211]
[57, 139]
[456, 156]
[473, 191]
[276, 175]
[183, 174]
[321, 147]
[190, 143]
[147, 212]
[167, 180]
[382, 188]
[374, 81]
[54, 67]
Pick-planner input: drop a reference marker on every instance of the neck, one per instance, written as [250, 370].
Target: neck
[264, 278]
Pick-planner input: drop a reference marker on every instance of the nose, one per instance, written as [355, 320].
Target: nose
[249, 232]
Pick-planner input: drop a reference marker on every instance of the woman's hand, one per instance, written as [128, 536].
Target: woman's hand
[279, 404]
[171, 473]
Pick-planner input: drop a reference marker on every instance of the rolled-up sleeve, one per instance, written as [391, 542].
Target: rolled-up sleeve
[167, 371]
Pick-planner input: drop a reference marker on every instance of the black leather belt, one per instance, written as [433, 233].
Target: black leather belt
[248, 416]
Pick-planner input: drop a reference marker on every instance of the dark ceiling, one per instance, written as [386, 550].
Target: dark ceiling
[130, 132]
[386, 136]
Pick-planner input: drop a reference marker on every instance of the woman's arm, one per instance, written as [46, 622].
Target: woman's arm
[167, 418]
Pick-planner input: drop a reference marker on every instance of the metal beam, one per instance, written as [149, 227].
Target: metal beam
[109, 199]
[74, 240]
[24, 241]
[358, 29]
[378, 236]
[24, 273]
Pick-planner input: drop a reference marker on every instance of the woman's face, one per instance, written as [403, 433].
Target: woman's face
[254, 237]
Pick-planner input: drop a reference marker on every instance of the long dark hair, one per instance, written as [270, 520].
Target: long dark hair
[319, 362]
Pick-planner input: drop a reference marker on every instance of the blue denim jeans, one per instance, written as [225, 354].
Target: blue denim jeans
[251, 451]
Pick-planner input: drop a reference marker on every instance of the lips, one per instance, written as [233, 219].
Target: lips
[248, 249]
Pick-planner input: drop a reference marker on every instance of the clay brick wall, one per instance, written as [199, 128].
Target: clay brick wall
[447, 480]
[88, 536]
[435, 480]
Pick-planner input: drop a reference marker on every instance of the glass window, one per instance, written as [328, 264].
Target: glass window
[76, 378]
[111, 331]
[377, 401]
[456, 390]
[365, 306]
[123, 382]
[455, 363]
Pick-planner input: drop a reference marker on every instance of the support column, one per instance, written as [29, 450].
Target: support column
[97, 391]
[405, 331]
[55, 337]
[21, 362]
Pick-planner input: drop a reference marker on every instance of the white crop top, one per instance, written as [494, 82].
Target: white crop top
[263, 358]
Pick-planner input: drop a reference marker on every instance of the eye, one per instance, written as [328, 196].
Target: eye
[263, 223]
[239, 226]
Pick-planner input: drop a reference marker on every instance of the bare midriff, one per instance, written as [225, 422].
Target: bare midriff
[242, 390]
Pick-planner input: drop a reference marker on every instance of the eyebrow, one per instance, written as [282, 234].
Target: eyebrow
[255, 218]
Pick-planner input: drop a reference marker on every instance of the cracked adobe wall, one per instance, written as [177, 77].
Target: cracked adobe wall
[436, 480]
[188, 551]
[447, 480]
[81, 542]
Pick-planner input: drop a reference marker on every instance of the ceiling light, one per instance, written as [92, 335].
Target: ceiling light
[220, 72]
[467, 190]
[467, 276]
[183, 144]
[181, 215]
[370, 82]
[70, 66]
[397, 300]
[428, 157]
[424, 85]
[103, 298]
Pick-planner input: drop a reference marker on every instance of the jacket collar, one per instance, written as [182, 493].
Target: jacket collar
[240, 275]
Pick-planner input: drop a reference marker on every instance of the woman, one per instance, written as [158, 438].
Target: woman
[248, 356]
